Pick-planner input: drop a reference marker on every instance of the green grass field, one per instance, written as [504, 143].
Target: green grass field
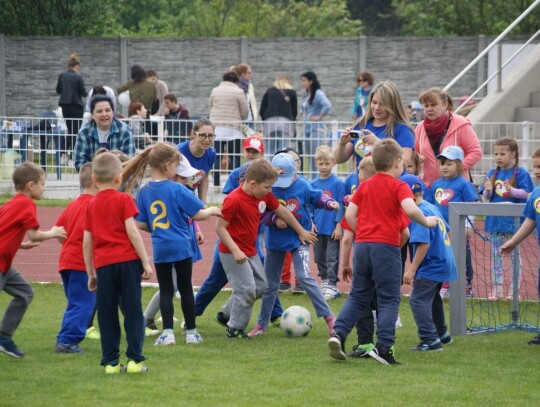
[270, 370]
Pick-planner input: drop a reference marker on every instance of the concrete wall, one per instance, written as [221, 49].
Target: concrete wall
[192, 67]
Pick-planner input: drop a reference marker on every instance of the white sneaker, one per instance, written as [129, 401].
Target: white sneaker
[165, 340]
[193, 338]
[324, 284]
[398, 322]
[331, 293]
[151, 332]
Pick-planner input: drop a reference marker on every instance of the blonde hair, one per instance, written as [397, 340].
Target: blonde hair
[536, 153]
[156, 156]
[384, 154]
[241, 69]
[25, 173]
[435, 95]
[324, 152]
[367, 167]
[415, 158]
[105, 167]
[260, 170]
[389, 98]
[73, 60]
[282, 82]
[85, 175]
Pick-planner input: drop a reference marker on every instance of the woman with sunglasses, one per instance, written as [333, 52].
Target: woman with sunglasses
[200, 154]
[365, 85]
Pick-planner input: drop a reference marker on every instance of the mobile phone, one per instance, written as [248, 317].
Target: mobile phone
[356, 134]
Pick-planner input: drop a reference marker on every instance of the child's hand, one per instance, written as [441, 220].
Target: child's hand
[280, 223]
[506, 185]
[200, 238]
[408, 276]
[147, 273]
[347, 199]
[431, 221]
[338, 232]
[333, 206]
[215, 211]
[92, 283]
[507, 247]
[307, 237]
[239, 256]
[29, 245]
[488, 186]
[314, 228]
[346, 273]
[59, 232]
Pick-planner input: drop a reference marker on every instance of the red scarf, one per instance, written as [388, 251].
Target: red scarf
[435, 128]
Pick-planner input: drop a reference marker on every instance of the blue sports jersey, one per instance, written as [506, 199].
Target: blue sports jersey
[443, 191]
[233, 181]
[351, 183]
[326, 220]
[295, 198]
[439, 264]
[532, 209]
[505, 224]
[197, 254]
[165, 207]
[204, 163]
[402, 134]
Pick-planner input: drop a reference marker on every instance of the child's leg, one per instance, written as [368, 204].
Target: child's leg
[286, 270]
[468, 261]
[211, 287]
[107, 299]
[153, 306]
[133, 315]
[365, 326]
[497, 273]
[437, 311]
[184, 270]
[386, 266]
[166, 289]
[80, 305]
[15, 285]
[241, 278]
[272, 269]
[421, 302]
[319, 252]
[303, 272]
[332, 261]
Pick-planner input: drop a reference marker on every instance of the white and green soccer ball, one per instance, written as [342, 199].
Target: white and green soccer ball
[296, 321]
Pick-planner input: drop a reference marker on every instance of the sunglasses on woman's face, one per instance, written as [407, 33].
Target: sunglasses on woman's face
[362, 80]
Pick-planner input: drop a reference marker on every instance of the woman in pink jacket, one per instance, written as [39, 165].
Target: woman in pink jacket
[440, 128]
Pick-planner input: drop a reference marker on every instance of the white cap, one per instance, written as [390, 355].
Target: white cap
[185, 169]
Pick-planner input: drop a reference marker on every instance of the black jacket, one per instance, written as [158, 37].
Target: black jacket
[71, 88]
[278, 104]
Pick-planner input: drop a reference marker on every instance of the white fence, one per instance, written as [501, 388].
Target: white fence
[43, 141]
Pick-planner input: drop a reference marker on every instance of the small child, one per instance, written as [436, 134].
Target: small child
[531, 212]
[431, 265]
[377, 208]
[453, 187]
[507, 182]
[115, 260]
[413, 166]
[237, 230]
[296, 193]
[165, 207]
[328, 227]
[80, 301]
[17, 219]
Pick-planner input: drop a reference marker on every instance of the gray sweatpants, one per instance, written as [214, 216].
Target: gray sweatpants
[15, 285]
[326, 253]
[248, 283]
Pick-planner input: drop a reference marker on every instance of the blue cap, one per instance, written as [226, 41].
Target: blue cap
[452, 153]
[285, 169]
[413, 182]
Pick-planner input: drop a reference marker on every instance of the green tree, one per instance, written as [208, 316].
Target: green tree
[379, 17]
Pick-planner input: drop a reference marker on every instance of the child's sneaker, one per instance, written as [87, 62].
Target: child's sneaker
[258, 330]
[93, 333]
[468, 290]
[428, 346]
[236, 333]
[67, 348]
[535, 340]
[337, 347]
[222, 319]
[114, 369]
[9, 348]
[151, 324]
[331, 292]
[384, 355]
[324, 284]
[444, 293]
[361, 351]
[165, 340]
[446, 339]
[276, 321]
[298, 289]
[193, 337]
[330, 321]
[398, 322]
[284, 287]
[134, 367]
[151, 332]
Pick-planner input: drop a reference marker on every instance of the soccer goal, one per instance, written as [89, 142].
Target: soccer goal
[504, 291]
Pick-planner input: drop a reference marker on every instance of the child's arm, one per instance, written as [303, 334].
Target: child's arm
[413, 212]
[204, 214]
[487, 193]
[36, 235]
[419, 255]
[516, 193]
[525, 230]
[89, 261]
[30, 245]
[338, 232]
[345, 255]
[143, 226]
[198, 234]
[325, 202]
[227, 240]
[404, 236]
[304, 236]
[137, 242]
[350, 215]
[202, 189]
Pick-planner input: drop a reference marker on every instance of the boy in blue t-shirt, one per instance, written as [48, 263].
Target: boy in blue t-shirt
[432, 264]
[328, 227]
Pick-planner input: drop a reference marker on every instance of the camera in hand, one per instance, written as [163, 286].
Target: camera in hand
[356, 134]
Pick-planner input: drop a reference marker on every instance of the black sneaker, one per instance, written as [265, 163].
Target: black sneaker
[361, 351]
[150, 324]
[222, 319]
[8, 347]
[236, 333]
[428, 346]
[535, 340]
[384, 355]
[337, 347]
[298, 289]
[284, 287]
[446, 339]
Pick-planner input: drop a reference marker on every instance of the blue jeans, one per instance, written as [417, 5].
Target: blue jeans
[115, 281]
[376, 269]
[427, 309]
[272, 269]
[80, 305]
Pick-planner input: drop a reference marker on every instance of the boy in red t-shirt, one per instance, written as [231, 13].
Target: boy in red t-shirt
[242, 210]
[17, 219]
[377, 207]
[80, 300]
[114, 249]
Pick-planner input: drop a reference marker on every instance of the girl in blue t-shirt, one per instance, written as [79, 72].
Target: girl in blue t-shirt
[165, 207]
[507, 182]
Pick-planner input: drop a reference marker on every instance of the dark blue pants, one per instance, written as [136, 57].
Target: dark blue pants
[376, 269]
[214, 283]
[427, 309]
[80, 305]
[115, 281]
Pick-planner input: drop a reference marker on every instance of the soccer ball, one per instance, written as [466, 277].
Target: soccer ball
[296, 321]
